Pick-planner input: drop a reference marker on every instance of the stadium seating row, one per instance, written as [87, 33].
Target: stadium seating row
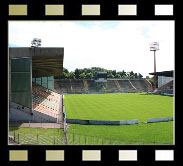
[90, 86]
[46, 101]
[46, 95]
[45, 110]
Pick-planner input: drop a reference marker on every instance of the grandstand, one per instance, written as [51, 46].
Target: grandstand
[31, 86]
[165, 82]
[63, 86]
[125, 85]
[76, 86]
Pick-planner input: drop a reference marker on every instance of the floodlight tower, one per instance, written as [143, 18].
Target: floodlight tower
[36, 42]
[154, 47]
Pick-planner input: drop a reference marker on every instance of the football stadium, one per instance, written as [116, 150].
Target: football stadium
[44, 109]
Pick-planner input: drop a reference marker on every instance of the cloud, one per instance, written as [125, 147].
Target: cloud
[120, 45]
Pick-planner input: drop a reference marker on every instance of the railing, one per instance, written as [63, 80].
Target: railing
[21, 138]
[64, 114]
[74, 139]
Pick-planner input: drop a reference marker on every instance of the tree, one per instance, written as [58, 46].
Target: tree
[82, 76]
[140, 75]
[123, 73]
[123, 76]
[72, 75]
[65, 70]
[117, 76]
[136, 76]
[131, 76]
[89, 75]
[114, 72]
[110, 75]
[77, 72]
[131, 73]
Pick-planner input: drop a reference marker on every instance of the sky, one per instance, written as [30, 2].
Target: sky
[113, 45]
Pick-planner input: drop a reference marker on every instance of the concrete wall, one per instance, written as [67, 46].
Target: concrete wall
[101, 122]
[77, 121]
[124, 122]
[20, 107]
[164, 119]
[121, 122]
[47, 118]
[23, 114]
[17, 115]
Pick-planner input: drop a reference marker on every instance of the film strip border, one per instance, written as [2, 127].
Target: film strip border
[91, 9]
[55, 9]
[89, 155]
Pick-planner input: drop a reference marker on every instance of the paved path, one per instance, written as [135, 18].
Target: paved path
[36, 125]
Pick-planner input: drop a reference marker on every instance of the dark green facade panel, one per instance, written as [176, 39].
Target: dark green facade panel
[20, 64]
[20, 82]
[23, 98]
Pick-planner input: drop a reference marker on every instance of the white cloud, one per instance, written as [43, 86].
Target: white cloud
[122, 46]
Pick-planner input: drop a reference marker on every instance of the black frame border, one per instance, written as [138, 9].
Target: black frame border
[72, 11]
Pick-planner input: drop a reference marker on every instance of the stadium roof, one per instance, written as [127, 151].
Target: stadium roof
[163, 73]
[46, 61]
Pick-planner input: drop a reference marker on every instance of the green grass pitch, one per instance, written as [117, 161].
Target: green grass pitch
[122, 106]
[118, 106]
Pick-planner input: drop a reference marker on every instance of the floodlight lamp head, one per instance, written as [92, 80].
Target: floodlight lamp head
[36, 42]
[154, 46]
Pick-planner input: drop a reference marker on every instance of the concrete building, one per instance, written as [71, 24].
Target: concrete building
[25, 66]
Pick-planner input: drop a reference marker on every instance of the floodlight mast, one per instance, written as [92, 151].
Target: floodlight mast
[154, 47]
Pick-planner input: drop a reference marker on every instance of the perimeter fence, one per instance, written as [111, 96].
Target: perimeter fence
[69, 138]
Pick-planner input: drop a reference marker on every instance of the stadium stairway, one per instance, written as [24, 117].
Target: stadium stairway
[132, 85]
[117, 84]
[85, 85]
[140, 85]
[111, 87]
[148, 84]
[125, 85]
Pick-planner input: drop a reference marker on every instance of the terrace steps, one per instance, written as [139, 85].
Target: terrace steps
[117, 84]
[85, 85]
[77, 86]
